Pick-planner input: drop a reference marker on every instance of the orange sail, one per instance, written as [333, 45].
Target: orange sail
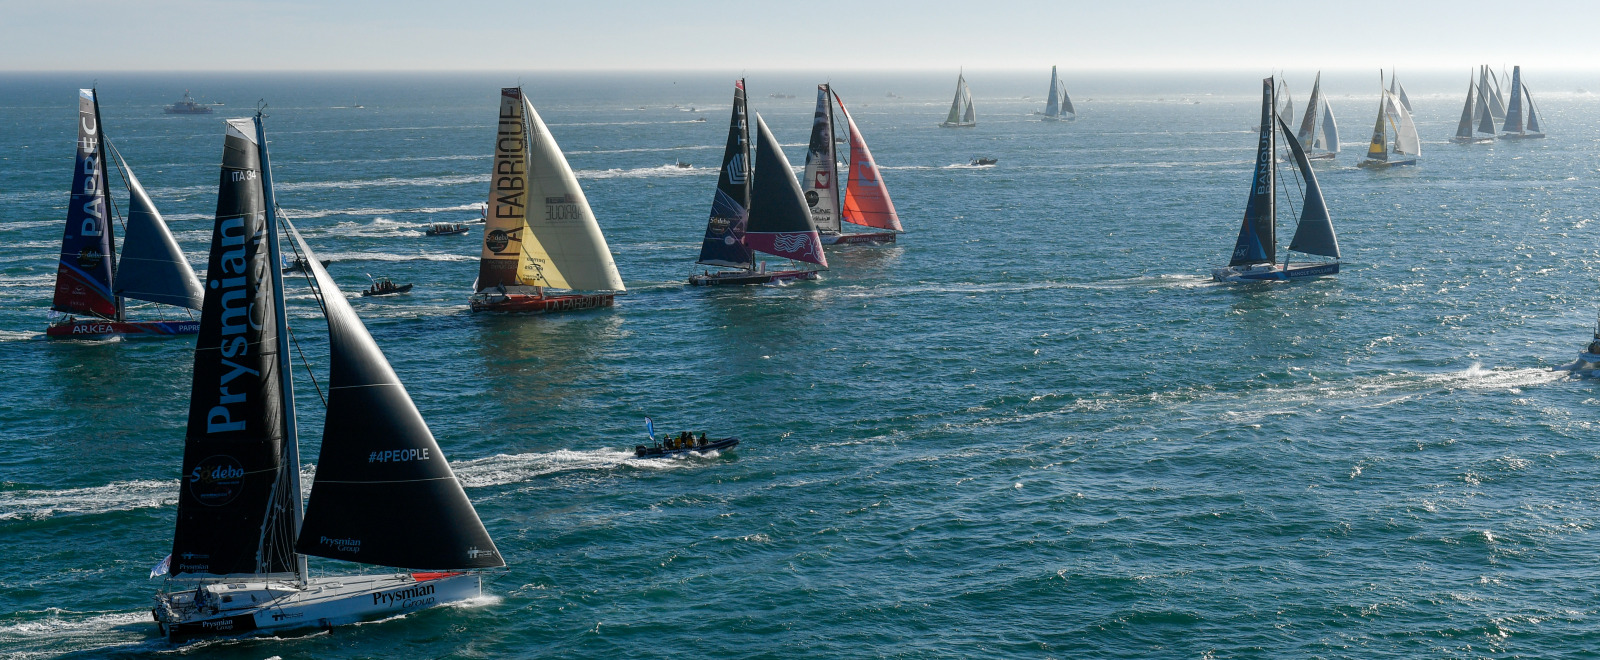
[866, 200]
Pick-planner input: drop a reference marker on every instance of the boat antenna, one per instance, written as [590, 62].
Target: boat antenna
[261, 107]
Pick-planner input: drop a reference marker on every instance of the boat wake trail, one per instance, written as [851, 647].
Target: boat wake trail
[517, 468]
[51, 632]
[122, 496]
[645, 172]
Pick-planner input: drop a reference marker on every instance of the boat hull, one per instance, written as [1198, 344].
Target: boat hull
[1273, 272]
[643, 451]
[865, 238]
[950, 125]
[103, 329]
[281, 607]
[525, 304]
[1327, 155]
[1385, 164]
[741, 277]
[1481, 139]
[1521, 136]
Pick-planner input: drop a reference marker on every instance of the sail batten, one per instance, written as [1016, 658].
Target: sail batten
[866, 200]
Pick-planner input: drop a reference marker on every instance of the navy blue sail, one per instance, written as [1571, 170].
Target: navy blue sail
[233, 511]
[730, 208]
[1257, 242]
[1314, 234]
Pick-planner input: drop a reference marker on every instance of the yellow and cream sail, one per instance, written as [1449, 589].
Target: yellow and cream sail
[540, 230]
[562, 246]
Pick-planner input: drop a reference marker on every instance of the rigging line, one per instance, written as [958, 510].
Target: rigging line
[315, 292]
[118, 163]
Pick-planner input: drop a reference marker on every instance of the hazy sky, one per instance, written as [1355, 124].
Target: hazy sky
[490, 35]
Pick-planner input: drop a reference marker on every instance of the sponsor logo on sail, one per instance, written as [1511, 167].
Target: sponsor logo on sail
[736, 170]
[473, 553]
[812, 198]
[341, 545]
[400, 455]
[89, 257]
[216, 481]
[497, 240]
[561, 209]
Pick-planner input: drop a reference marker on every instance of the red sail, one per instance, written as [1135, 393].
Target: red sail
[866, 200]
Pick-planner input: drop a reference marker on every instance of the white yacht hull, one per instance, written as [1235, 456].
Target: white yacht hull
[229, 609]
[1273, 272]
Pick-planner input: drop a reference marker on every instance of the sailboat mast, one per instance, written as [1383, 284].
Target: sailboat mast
[1272, 177]
[105, 188]
[833, 158]
[291, 441]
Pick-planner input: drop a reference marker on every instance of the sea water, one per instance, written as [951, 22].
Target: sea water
[1032, 427]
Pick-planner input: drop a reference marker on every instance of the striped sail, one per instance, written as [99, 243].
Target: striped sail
[562, 246]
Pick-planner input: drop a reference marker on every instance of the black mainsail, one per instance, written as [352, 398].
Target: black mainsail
[152, 266]
[231, 505]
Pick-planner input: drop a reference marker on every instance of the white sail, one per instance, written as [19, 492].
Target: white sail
[1330, 130]
[562, 245]
[1406, 140]
[970, 115]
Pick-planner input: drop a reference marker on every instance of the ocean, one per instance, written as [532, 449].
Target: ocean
[1032, 428]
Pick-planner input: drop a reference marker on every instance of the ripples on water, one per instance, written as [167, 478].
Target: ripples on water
[1031, 428]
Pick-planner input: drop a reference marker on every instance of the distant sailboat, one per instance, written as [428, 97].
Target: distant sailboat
[384, 493]
[1494, 104]
[1255, 251]
[1588, 362]
[866, 200]
[1466, 128]
[1399, 91]
[1407, 146]
[1059, 106]
[1286, 111]
[1319, 133]
[962, 114]
[540, 232]
[1514, 128]
[756, 211]
[91, 284]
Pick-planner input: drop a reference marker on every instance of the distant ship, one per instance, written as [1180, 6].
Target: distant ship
[187, 106]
